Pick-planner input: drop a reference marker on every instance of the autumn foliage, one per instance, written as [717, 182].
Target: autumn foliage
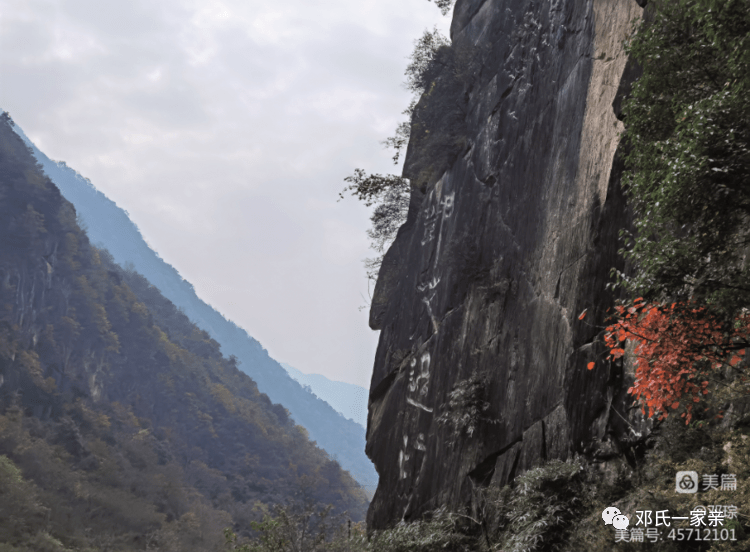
[677, 347]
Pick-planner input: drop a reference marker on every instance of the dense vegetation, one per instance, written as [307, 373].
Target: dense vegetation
[688, 133]
[687, 181]
[122, 426]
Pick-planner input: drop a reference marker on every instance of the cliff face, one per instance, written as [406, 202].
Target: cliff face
[501, 252]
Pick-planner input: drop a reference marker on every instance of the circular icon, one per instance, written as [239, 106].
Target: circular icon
[609, 513]
[686, 483]
[620, 521]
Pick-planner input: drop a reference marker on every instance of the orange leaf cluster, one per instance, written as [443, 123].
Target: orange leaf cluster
[670, 339]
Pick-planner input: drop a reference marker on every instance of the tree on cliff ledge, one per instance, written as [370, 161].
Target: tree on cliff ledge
[688, 130]
[390, 193]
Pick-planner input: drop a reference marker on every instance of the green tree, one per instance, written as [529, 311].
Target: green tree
[425, 61]
[300, 527]
[444, 5]
[464, 411]
[688, 132]
[390, 193]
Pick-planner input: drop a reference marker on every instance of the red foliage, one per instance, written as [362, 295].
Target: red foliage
[669, 342]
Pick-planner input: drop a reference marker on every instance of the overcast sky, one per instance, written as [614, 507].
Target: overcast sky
[226, 129]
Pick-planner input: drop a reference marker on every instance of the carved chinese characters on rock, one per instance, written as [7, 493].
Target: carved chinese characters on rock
[403, 458]
[437, 211]
[416, 396]
[419, 368]
[419, 376]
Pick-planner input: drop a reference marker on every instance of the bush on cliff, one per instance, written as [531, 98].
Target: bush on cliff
[390, 193]
[440, 76]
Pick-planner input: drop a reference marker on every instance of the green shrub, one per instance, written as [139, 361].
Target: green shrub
[464, 411]
[442, 531]
[536, 512]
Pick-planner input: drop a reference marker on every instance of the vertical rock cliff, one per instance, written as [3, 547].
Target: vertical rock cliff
[511, 234]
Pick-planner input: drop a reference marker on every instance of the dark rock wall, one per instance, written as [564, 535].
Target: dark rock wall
[499, 256]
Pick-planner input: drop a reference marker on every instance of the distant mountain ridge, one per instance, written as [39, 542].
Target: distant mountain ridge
[348, 399]
[122, 425]
[109, 225]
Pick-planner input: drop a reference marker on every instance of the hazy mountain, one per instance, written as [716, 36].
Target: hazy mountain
[109, 225]
[347, 398]
[122, 426]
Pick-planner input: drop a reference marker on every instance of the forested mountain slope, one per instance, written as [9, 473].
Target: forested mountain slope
[109, 225]
[122, 426]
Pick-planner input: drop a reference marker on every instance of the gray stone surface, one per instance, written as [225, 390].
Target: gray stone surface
[500, 253]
